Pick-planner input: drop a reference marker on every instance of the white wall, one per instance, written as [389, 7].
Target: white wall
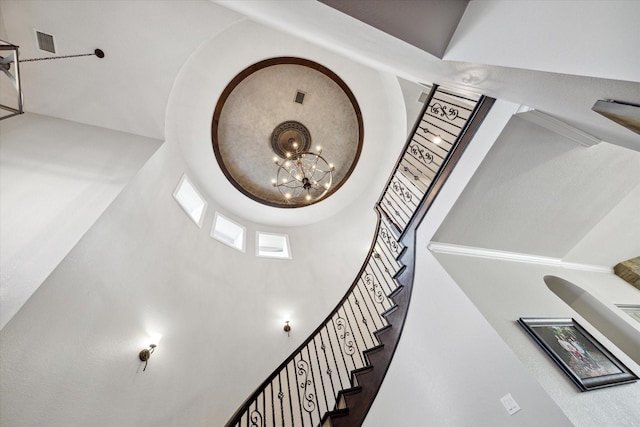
[144, 267]
[615, 238]
[541, 193]
[505, 291]
[585, 38]
[411, 92]
[452, 368]
[56, 178]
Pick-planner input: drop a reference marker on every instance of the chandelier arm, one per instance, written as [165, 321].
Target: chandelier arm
[324, 173]
[289, 186]
[290, 172]
[318, 157]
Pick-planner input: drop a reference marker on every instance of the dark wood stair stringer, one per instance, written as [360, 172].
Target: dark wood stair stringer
[370, 378]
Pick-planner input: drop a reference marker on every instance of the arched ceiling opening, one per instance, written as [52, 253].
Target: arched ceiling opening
[378, 125]
[279, 107]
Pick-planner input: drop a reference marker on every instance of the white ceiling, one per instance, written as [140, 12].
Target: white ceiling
[426, 24]
[145, 45]
[148, 43]
[567, 97]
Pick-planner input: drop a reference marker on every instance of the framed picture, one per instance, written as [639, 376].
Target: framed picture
[580, 356]
[632, 310]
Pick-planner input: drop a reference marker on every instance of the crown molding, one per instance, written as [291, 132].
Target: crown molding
[451, 249]
[561, 128]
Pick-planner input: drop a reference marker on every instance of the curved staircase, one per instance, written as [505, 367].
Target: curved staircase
[333, 377]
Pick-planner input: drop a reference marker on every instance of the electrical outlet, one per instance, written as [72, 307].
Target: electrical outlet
[510, 404]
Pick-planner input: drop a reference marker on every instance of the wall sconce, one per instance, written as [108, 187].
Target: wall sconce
[146, 353]
[287, 328]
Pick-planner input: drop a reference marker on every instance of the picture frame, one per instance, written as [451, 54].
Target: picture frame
[633, 310]
[577, 353]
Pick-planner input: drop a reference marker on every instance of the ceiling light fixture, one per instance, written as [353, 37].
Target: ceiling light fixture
[10, 66]
[303, 176]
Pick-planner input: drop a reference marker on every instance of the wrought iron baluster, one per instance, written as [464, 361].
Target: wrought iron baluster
[289, 393]
[381, 279]
[345, 338]
[329, 371]
[374, 288]
[364, 321]
[256, 417]
[442, 131]
[374, 319]
[355, 340]
[388, 268]
[341, 351]
[375, 310]
[307, 400]
[281, 397]
[391, 243]
[442, 110]
[321, 375]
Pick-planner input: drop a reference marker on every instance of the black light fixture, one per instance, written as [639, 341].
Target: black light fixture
[145, 354]
[287, 328]
[10, 66]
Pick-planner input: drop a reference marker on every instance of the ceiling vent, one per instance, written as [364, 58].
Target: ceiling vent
[45, 42]
[299, 97]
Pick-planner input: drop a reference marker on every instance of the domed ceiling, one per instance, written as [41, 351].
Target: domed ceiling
[272, 112]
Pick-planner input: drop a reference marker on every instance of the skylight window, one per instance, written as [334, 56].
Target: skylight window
[190, 200]
[273, 245]
[228, 232]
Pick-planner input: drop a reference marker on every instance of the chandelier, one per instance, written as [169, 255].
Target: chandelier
[303, 176]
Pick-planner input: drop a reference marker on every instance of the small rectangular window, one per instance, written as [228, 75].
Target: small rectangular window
[228, 232]
[190, 200]
[272, 245]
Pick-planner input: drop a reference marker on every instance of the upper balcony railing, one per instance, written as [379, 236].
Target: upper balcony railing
[334, 375]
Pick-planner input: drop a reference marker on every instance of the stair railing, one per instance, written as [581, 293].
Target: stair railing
[334, 375]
